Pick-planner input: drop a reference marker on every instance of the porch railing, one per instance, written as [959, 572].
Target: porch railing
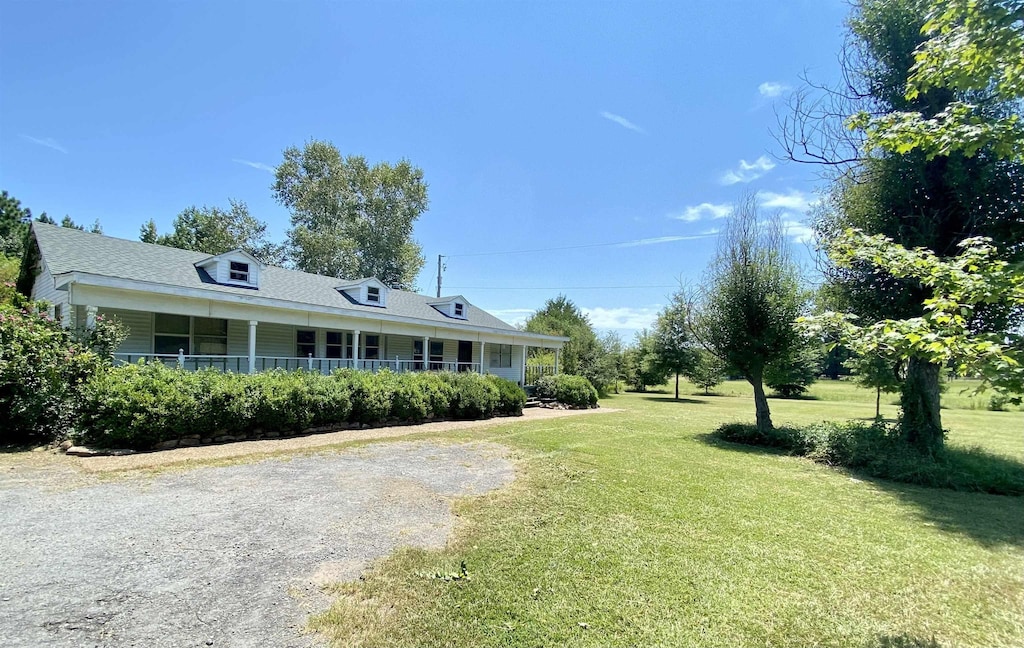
[240, 364]
[535, 372]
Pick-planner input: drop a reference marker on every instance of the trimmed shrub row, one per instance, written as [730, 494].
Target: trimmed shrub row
[574, 391]
[138, 406]
[876, 450]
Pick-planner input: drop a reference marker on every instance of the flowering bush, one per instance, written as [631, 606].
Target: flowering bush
[42, 369]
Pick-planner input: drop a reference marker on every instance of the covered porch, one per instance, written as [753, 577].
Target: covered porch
[251, 345]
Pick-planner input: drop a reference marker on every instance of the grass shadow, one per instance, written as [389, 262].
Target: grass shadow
[988, 519]
[670, 399]
[18, 449]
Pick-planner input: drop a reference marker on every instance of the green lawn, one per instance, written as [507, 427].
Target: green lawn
[634, 529]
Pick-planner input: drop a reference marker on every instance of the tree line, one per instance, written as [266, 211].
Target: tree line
[919, 229]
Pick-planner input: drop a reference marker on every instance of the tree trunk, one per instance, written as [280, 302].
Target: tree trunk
[920, 420]
[878, 402]
[764, 415]
[677, 386]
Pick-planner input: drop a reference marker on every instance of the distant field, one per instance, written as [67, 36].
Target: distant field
[635, 529]
[958, 394]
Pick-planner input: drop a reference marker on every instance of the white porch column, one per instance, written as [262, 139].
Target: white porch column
[90, 317]
[252, 346]
[556, 361]
[483, 350]
[355, 348]
[523, 372]
[426, 353]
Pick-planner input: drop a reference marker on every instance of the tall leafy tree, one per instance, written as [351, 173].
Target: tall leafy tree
[579, 356]
[750, 299]
[214, 231]
[673, 342]
[894, 183]
[14, 220]
[350, 219]
[641, 365]
[973, 49]
[608, 371]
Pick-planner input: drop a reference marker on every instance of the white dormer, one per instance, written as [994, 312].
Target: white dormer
[369, 291]
[234, 268]
[456, 307]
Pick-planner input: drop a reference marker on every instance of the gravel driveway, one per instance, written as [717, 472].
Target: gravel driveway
[225, 556]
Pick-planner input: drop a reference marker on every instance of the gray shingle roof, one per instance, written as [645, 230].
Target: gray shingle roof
[70, 250]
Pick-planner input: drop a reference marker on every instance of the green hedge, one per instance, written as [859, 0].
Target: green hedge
[42, 368]
[574, 391]
[139, 406]
[877, 450]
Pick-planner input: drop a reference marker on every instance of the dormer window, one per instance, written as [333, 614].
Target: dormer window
[455, 306]
[368, 292]
[235, 268]
[239, 271]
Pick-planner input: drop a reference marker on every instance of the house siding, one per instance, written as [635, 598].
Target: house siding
[275, 340]
[43, 288]
[398, 346]
[238, 338]
[140, 329]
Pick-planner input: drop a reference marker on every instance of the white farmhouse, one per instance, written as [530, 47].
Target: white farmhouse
[232, 312]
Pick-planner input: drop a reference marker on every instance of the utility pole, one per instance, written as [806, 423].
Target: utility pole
[439, 257]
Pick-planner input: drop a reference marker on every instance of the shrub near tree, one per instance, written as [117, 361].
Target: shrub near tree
[790, 376]
[707, 371]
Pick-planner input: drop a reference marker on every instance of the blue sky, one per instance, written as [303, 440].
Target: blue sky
[537, 125]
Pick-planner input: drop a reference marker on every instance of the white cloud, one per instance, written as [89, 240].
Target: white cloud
[255, 165]
[621, 318]
[622, 121]
[661, 239]
[513, 316]
[748, 171]
[704, 210]
[772, 89]
[797, 229]
[793, 200]
[48, 142]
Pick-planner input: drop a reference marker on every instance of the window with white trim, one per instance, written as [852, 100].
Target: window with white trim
[460, 309]
[436, 355]
[210, 336]
[171, 334]
[239, 271]
[305, 343]
[501, 355]
[335, 344]
[372, 348]
[373, 294]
